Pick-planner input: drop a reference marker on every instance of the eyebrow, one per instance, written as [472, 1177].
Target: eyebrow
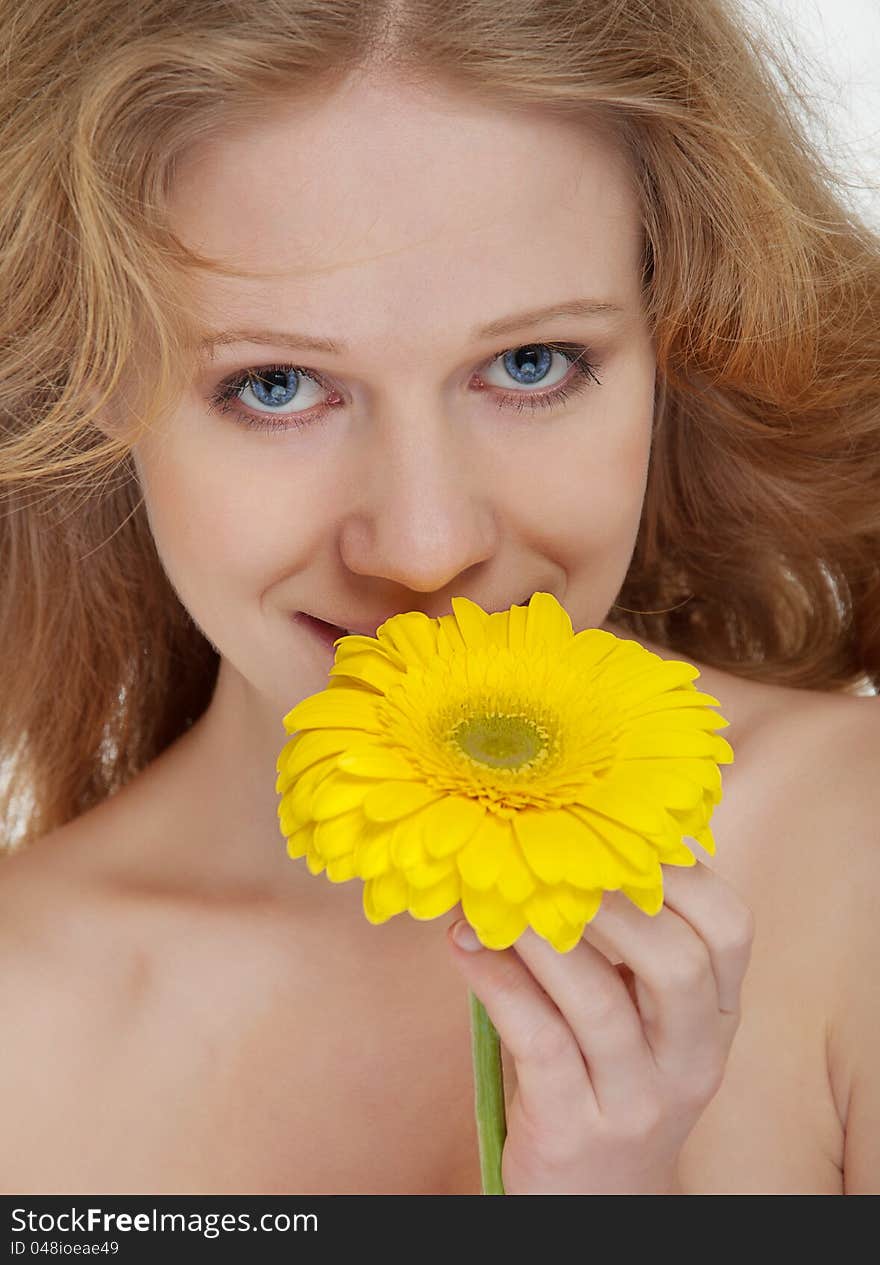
[495, 329]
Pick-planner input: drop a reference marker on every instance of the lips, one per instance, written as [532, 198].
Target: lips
[337, 628]
[326, 633]
[331, 632]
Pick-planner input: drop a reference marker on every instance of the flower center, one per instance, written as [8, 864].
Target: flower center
[501, 741]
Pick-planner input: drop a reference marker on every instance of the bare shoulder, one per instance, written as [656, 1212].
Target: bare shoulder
[809, 812]
[843, 842]
[70, 930]
[822, 762]
[802, 797]
[39, 894]
[813, 760]
[62, 995]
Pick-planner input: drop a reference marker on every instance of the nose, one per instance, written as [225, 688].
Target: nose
[425, 508]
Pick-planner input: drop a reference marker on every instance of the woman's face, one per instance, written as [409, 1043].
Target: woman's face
[405, 466]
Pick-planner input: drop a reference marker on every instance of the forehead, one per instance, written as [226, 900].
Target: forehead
[379, 196]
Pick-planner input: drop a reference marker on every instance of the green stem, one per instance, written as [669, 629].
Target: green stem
[488, 1096]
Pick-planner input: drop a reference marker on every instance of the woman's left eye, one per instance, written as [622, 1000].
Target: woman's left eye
[528, 364]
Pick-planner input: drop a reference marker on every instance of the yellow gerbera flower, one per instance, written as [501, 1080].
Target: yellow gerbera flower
[504, 762]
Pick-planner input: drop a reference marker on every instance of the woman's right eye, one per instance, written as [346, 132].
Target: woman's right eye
[270, 385]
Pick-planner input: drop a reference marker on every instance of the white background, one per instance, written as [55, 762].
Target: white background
[836, 47]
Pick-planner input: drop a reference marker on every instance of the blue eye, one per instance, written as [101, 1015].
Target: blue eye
[282, 384]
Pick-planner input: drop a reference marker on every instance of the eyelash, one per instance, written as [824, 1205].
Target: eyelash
[222, 399]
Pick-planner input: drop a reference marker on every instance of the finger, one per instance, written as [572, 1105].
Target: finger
[598, 1007]
[550, 1072]
[720, 918]
[675, 985]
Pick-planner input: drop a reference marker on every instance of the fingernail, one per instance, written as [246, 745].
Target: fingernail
[465, 937]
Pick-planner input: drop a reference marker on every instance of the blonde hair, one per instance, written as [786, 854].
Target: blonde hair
[759, 546]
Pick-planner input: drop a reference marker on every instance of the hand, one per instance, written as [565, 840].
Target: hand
[615, 1066]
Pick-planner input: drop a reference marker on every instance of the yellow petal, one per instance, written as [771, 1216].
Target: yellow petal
[286, 752]
[671, 744]
[298, 844]
[484, 910]
[340, 709]
[674, 718]
[502, 934]
[634, 856]
[298, 800]
[482, 858]
[704, 772]
[545, 920]
[472, 621]
[473, 671]
[377, 761]
[412, 634]
[689, 823]
[516, 882]
[671, 853]
[312, 745]
[407, 846]
[567, 939]
[546, 837]
[656, 678]
[290, 822]
[449, 639]
[667, 785]
[427, 873]
[372, 854]
[390, 800]
[630, 675]
[688, 699]
[384, 897]
[548, 624]
[593, 864]
[431, 902]
[648, 899]
[517, 622]
[446, 825]
[355, 644]
[496, 631]
[337, 794]
[497, 672]
[620, 800]
[341, 869]
[594, 648]
[337, 836]
[705, 839]
[373, 669]
[576, 906]
[348, 681]
[314, 861]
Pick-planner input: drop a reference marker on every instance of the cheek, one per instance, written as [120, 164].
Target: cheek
[589, 493]
[617, 489]
[616, 463]
[210, 519]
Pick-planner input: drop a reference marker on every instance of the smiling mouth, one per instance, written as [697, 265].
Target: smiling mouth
[330, 632]
[334, 627]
